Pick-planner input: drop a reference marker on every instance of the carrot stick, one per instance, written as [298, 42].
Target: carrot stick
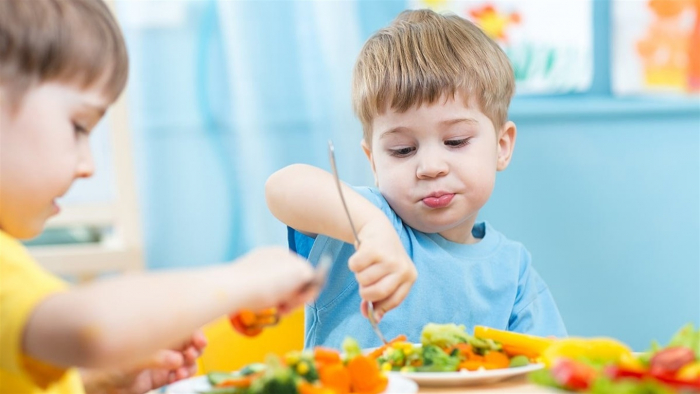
[364, 374]
[496, 360]
[336, 377]
[242, 382]
[326, 355]
[378, 351]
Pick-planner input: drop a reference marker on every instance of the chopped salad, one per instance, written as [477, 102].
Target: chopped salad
[606, 366]
[321, 371]
[443, 348]
[449, 348]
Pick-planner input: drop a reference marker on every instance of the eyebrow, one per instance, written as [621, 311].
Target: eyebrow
[451, 122]
[444, 123]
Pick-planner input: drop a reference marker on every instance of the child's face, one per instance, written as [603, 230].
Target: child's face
[436, 165]
[45, 148]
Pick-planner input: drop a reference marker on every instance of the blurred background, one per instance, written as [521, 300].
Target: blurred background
[604, 187]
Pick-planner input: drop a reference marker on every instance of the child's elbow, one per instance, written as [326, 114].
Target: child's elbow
[272, 190]
[278, 185]
[99, 348]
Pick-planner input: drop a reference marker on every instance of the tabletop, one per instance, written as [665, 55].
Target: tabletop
[515, 385]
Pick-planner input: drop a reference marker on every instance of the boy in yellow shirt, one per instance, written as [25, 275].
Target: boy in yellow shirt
[62, 63]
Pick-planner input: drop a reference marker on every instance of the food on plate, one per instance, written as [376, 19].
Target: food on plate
[449, 348]
[602, 365]
[514, 343]
[320, 371]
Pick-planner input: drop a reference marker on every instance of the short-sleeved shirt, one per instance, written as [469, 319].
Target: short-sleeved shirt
[23, 285]
[491, 283]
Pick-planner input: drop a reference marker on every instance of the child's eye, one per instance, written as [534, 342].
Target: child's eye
[402, 152]
[79, 129]
[458, 143]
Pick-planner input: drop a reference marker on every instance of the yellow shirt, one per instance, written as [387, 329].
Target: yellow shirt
[23, 285]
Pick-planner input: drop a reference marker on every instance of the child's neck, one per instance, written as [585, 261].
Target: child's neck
[462, 233]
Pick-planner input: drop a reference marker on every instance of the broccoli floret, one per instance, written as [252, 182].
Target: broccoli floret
[277, 379]
[395, 357]
[443, 335]
[351, 348]
[482, 346]
[306, 367]
[436, 360]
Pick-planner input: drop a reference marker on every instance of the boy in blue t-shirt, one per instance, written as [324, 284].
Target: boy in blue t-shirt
[432, 92]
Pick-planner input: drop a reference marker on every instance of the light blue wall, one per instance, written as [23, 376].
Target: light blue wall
[607, 202]
[604, 192]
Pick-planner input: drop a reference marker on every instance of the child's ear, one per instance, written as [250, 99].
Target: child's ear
[368, 153]
[506, 143]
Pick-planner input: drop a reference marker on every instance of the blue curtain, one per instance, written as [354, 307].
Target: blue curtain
[224, 93]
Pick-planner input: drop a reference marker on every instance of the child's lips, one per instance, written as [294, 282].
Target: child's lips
[435, 201]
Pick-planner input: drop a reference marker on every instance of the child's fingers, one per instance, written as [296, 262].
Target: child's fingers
[181, 373]
[381, 289]
[199, 340]
[371, 275]
[191, 370]
[165, 359]
[171, 377]
[191, 354]
[381, 307]
[364, 308]
[160, 377]
[361, 259]
[297, 300]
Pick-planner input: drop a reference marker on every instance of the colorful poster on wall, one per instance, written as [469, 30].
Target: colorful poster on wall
[656, 46]
[549, 42]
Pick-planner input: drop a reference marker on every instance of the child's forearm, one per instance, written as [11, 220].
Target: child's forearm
[123, 320]
[306, 199]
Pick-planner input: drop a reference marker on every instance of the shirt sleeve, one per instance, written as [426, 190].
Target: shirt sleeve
[302, 244]
[535, 311]
[376, 198]
[23, 285]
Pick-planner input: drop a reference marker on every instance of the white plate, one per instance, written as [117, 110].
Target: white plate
[466, 378]
[397, 385]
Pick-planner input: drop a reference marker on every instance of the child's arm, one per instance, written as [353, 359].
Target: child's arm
[306, 199]
[164, 367]
[124, 320]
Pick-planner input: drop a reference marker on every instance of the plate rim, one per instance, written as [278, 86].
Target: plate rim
[401, 379]
[464, 378]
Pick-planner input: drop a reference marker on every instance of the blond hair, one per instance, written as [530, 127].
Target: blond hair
[422, 56]
[76, 41]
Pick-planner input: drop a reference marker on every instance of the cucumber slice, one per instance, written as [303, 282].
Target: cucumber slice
[218, 377]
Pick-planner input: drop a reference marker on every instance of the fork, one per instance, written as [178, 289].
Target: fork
[252, 323]
[370, 305]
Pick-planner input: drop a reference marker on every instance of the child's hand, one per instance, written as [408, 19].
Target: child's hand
[165, 367]
[382, 267]
[274, 277]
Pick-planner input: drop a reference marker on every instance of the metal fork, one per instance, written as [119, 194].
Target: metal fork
[370, 306]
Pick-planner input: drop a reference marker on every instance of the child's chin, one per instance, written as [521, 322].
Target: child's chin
[27, 232]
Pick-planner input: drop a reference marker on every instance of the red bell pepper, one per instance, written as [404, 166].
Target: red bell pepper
[573, 375]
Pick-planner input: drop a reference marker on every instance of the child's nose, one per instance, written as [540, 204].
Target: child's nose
[86, 164]
[431, 166]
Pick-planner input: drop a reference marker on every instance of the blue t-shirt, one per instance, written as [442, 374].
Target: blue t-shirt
[490, 283]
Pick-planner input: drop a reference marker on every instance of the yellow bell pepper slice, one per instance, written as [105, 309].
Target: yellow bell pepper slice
[528, 345]
[600, 350]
